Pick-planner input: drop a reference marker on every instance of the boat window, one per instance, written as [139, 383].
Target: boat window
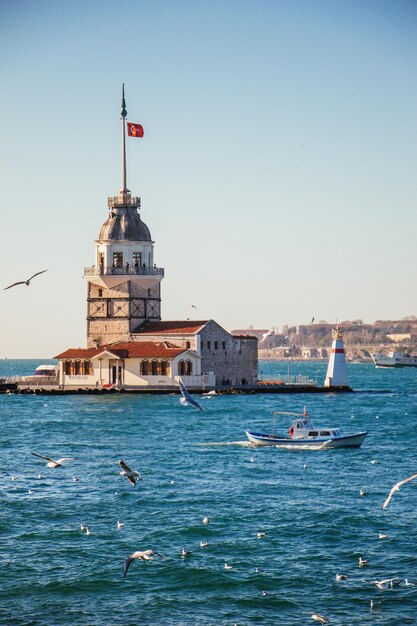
[324, 433]
[313, 433]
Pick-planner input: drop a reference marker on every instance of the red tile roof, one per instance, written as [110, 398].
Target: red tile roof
[181, 327]
[124, 350]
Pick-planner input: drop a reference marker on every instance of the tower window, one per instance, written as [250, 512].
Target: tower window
[137, 259]
[216, 345]
[209, 345]
[187, 344]
[224, 345]
[117, 259]
[100, 293]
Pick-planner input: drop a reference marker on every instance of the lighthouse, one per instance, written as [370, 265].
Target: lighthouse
[337, 375]
[124, 284]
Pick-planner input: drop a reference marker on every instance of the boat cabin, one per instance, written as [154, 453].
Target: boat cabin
[303, 428]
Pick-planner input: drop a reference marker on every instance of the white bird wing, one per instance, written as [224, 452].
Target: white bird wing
[396, 488]
[65, 458]
[20, 282]
[124, 466]
[37, 274]
[44, 457]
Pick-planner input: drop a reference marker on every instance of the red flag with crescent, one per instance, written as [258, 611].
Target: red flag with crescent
[134, 130]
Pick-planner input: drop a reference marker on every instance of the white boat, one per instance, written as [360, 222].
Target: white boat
[303, 434]
[394, 359]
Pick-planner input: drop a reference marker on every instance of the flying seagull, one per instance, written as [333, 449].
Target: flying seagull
[266, 335]
[395, 488]
[25, 282]
[319, 618]
[143, 556]
[131, 475]
[51, 462]
[187, 398]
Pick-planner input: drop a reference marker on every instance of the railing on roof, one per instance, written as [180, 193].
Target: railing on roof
[121, 271]
[123, 200]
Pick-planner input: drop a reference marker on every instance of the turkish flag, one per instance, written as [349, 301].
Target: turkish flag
[134, 130]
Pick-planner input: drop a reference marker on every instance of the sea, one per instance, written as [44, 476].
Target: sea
[306, 503]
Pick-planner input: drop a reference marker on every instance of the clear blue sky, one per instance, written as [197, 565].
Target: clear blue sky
[277, 172]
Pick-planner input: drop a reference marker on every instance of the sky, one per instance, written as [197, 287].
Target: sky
[277, 170]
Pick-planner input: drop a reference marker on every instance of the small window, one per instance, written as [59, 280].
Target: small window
[216, 345]
[187, 344]
[208, 345]
[164, 368]
[155, 368]
[100, 293]
[313, 433]
[144, 368]
[149, 293]
[324, 433]
[188, 368]
[137, 259]
[224, 345]
[181, 368]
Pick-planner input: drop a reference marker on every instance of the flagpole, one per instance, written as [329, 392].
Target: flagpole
[123, 114]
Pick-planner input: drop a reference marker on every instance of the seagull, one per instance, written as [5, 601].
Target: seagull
[82, 527]
[51, 462]
[143, 556]
[131, 475]
[266, 335]
[75, 479]
[203, 544]
[187, 398]
[87, 531]
[388, 582]
[340, 577]
[260, 535]
[185, 553]
[226, 566]
[382, 536]
[205, 520]
[25, 282]
[120, 525]
[319, 618]
[363, 492]
[396, 488]
[374, 604]
[362, 562]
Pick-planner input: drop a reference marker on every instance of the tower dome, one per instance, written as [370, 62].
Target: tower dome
[124, 224]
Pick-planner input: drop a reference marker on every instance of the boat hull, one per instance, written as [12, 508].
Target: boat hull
[354, 440]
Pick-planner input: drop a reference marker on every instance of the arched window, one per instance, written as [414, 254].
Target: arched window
[181, 367]
[188, 367]
[144, 368]
[155, 368]
[164, 368]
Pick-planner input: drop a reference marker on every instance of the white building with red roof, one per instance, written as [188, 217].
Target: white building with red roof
[128, 344]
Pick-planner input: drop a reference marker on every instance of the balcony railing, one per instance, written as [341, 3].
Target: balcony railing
[124, 271]
[123, 200]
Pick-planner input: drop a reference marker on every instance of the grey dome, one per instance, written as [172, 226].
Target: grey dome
[125, 224]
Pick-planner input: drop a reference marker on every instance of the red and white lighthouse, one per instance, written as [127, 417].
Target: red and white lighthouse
[337, 374]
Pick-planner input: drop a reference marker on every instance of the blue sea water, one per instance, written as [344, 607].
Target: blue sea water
[307, 503]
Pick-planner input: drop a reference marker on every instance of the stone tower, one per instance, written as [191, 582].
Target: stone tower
[124, 283]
